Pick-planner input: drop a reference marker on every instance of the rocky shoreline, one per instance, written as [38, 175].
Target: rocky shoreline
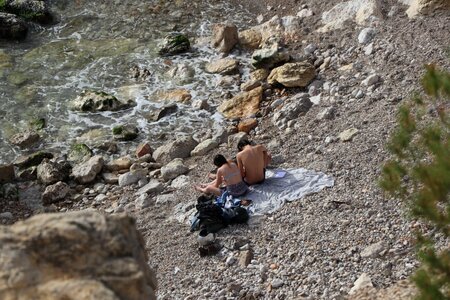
[337, 121]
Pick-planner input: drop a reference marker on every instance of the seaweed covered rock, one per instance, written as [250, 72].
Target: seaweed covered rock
[125, 132]
[79, 255]
[32, 10]
[79, 153]
[174, 43]
[92, 101]
[12, 27]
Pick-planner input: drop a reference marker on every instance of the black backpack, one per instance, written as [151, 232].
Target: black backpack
[235, 215]
[209, 215]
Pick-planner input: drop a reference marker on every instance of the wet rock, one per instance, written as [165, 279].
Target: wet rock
[32, 10]
[360, 11]
[243, 105]
[162, 112]
[92, 101]
[34, 159]
[224, 37]
[9, 191]
[174, 169]
[293, 74]
[199, 104]
[79, 153]
[25, 139]
[153, 187]
[180, 95]
[366, 35]
[269, 57]
[122, 163]
[180, 148]
[363, 281]
[64, 256]
[50, 172]
[182, 72]
[125, 132]
[87, 171]
[250, 39]
[143, 149]
[347, 135]
[224, 66]
[204, 147]
[55, 192]
[174, 43]
[247, 125]
[6, 173]
[12, 27]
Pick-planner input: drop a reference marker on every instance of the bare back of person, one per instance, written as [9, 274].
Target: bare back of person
[252, 161]
[230, 173]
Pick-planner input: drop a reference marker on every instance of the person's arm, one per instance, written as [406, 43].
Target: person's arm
[240, 165]
[219, 179]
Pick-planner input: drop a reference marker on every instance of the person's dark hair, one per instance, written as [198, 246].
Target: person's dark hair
[219, 160]
[242, 144]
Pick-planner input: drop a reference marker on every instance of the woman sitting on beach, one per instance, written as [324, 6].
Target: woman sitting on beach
[227, 173]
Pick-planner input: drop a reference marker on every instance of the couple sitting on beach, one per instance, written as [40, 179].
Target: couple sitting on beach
[249, 168]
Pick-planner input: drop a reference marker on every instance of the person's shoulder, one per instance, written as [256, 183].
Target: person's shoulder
[260, 147]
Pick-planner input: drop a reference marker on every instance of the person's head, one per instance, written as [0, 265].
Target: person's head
[219, 160]
[242, 144]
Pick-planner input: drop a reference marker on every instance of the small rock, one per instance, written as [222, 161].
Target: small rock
[277, 283]
[56, 192]
[366, 35]
[25, 139]
[230, 261]
[174, 169]
[143, 201]
[348, 134]
[153, 187]
[6, 215]
[373, 250]
[204, 147]
[6, 173]
[143, 149]
[87, 171]
[245, 258]
[371, 80]
[362, 282]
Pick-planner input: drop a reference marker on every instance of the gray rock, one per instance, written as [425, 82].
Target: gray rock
[174, 169]
[225, 37]
[143, 201]
[180, 181]
[182, 72]
[310, 49]
[92, 101]
[373, 250]
[126, 132]
[174, 43]
[326, 114]
[30, 10]
[234, 139]
[153, 187]
[180, 148]
[49, 172]
[277, 283]
[55, 192]
[132, 177]
[363, 281]
[6, 215]
[25, 139]
[32, 159]
[371, 80]
[366, 35]
[292, 109]
[12, 27]
[204, 147]
[162, 112]
[6, 173]
[164, 199]
[269, 57]
[87, 171]
[347, 135]
[110, 178]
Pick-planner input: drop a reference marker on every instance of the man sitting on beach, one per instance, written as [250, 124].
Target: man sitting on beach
[252, 161]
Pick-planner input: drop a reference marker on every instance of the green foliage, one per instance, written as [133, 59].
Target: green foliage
[419, 174]
[117, 130]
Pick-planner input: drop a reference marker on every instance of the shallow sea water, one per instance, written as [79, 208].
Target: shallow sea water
[93, 47]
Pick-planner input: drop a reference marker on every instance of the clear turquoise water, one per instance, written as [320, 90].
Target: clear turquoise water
[93, 46]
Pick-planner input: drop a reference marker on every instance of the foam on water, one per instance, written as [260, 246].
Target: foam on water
[90, 50]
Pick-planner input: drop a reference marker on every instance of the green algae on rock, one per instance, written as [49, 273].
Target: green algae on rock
[174, 43]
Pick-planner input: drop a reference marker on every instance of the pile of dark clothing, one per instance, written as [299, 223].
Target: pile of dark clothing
[213, 215]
